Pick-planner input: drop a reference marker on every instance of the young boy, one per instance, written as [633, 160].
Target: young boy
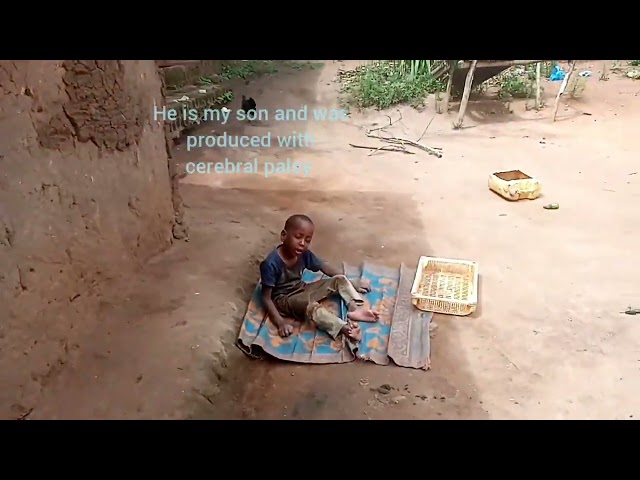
[284, 293]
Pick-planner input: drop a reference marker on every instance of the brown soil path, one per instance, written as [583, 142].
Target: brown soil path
[547, 341]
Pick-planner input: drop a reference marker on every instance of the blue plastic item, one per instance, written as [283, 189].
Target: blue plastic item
[557, 74]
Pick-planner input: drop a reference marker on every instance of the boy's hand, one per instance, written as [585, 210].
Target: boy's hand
[284, 329]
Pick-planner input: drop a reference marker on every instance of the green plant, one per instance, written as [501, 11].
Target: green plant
[244, 69]
[412, 68]
[384, 83]
[545, 69]
[635, 63]
[226, 97]
[517, 82]
[516, 88]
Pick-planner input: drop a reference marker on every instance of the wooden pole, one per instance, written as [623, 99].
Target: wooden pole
[604, 75]
[538, 103]
[447, 98]
[502, 63]
[465, 95]
[565, 82]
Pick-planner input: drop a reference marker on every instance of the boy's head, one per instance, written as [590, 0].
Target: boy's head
[297, 234]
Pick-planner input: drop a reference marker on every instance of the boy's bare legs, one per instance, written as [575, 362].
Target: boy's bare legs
[305, 304]
[355, 302]
[333, 325]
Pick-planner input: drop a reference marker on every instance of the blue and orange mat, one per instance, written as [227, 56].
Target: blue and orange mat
[401, 334]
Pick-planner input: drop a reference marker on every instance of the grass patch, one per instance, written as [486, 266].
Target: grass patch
[382, 85]
[635, 63]
[215, 76]
[202, 76]
[246, 69]
[303, 65]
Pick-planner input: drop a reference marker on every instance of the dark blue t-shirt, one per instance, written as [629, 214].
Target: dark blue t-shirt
[284, 280]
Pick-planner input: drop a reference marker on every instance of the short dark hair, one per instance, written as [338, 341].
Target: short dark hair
[295, 220]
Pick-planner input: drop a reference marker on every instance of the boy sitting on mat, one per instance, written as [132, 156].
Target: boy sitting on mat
[284, 293]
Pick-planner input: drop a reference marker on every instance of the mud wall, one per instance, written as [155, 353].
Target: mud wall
[85, 196]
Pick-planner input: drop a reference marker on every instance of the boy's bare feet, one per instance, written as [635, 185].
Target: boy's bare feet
[363, 315]
[352, 331]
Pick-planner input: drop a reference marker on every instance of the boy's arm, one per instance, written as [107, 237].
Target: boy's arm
[329, 270]
[268, 275]
[361, 285]
[270, 307]
[316, 264]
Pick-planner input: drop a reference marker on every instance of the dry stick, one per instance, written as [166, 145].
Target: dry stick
[447, 98]
[388, 148]
[25, 415]
[562, 88]
[386, 126]
[538, 104]
[402, 141]
[426, 128]
[465, 96]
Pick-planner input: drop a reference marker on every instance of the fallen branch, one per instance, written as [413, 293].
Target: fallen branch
[25, 415]
[426, 128]
[391, 122]
[387, 148]
[402, 141]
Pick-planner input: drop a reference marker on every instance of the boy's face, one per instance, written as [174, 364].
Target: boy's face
[297, 239]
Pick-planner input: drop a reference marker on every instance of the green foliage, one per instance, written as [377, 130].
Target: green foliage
[519, 81]
[385, 83]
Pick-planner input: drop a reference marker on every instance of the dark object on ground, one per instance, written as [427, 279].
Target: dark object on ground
[383, 389]
[248, 104]
[632, 311]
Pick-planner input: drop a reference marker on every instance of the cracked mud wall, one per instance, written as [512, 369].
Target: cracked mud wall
[85, 196]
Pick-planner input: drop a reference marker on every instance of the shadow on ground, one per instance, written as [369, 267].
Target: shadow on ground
[351, 227]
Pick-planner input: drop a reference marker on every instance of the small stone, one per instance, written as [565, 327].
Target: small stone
[384, 389]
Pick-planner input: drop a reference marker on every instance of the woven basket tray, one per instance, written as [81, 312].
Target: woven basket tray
[445, 285]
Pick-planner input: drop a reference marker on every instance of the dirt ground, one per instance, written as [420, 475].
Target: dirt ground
[547, 341]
